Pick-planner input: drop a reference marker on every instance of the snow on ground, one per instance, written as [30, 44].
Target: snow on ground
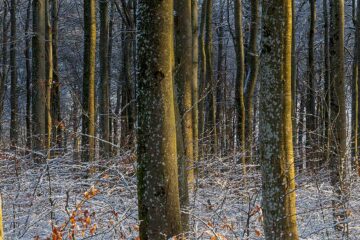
[103, 206]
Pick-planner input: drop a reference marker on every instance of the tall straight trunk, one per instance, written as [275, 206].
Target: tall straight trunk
[240, 77]
[13, 72]
[39, 81]
[294, 72]
[338, 112]
[276, 141]
[28, 78]
[250, 85]
[57, 124]
[210, 82]
[49, 75]
[220, 75]
[310, 98]
[111, 34]
[356, 86]
[158, 192]
[202, 76]
[195, 76]
[88, 103]
[4, 49]
[104, 100]
[327, 129]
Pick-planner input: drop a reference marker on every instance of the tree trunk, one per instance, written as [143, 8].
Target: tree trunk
[13, 71]
[28, 79]
[159, 206]
[338, 111]
[57, 123]
[276, 146]
[310, 98]
[88, 116]
[104, 100]
[240, 76]
[39, 82]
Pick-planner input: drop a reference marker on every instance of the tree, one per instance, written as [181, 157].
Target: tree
[88, 102]
[13, 69]
[28, 77]
[57, 123]
[158, 193]
[276, 141]
[337, 112]
[240, 76]
[253, 75]
[39, 81]
[310, 98]
[104, 99]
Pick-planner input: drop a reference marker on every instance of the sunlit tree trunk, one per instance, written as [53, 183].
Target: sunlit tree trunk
[13, 72]
[39, 81]
[88, 103]
[240, 77]
[158, 192]
[276, 141]
[195, 76]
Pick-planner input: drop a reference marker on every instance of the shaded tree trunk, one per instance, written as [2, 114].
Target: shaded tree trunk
[28, 78]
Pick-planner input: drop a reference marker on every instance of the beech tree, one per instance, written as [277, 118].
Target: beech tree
[276, 141]
[158, 192]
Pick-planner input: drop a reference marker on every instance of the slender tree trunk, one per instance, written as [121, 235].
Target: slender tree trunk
[356, 96]
[202, 76]
[159, 205]
[276, 147]
[338, 112]
[57, 123]
[195, 77]
[240, 77]
[253, 75]
[13, 71]
[28, 78]
[49, 76]
[294, 72]
[104, 102]
[4, 60]
[88, 116]
[310, 98]
[39, 81]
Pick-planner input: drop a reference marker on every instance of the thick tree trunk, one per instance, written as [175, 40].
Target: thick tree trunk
[39, 81]
[276, 141]
[88, 116]
[159, 205]
[338, 112]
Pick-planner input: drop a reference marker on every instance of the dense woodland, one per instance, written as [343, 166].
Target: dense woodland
[180, 119]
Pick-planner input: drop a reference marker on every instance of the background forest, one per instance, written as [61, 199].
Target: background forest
[179, 119]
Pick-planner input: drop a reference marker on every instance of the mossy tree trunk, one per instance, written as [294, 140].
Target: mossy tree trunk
[158, 190]
[276, 141]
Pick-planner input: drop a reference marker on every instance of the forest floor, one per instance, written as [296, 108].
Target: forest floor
[41, 201]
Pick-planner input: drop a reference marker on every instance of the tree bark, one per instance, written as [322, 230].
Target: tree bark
[276, 141]
[88, 116]
[158, 190]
